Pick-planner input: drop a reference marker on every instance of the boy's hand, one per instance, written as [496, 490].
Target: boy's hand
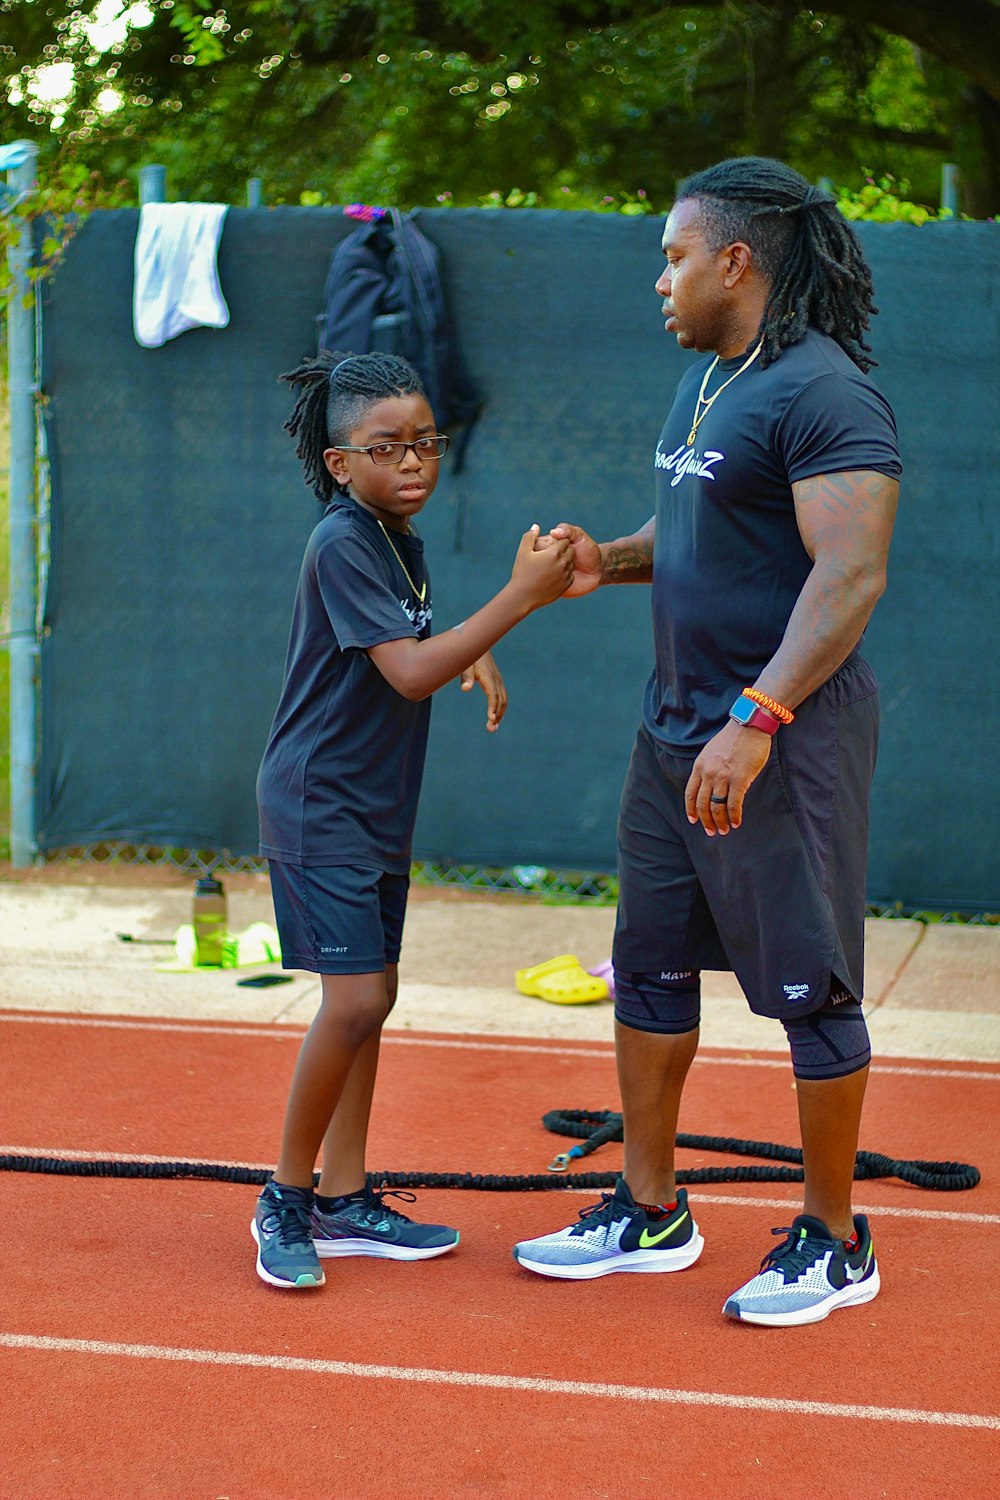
[543, 574]
[587, 561]
[486, 672]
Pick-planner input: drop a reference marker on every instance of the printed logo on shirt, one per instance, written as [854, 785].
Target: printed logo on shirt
[419, 615]
[685, 460]
[328, 951]
[796, 991]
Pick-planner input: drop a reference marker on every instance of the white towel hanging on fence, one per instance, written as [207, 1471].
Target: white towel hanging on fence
[176, 276]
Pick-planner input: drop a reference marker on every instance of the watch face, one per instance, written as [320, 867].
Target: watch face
[743, 710]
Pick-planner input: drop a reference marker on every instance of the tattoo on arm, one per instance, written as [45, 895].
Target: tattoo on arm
[630, 560]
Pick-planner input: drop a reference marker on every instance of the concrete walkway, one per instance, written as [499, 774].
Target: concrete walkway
[932, 991]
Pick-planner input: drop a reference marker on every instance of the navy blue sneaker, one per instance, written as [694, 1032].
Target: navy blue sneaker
[615, 1235]
[286, 1255]
[368, 1226]
[807, 1277]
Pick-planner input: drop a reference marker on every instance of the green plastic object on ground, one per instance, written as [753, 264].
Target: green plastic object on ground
[257, 944]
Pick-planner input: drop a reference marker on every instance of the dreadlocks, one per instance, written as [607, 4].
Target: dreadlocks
[335, 391]
[802, 244]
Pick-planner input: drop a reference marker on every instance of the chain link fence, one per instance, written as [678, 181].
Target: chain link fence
[550, 885]
[186, 861]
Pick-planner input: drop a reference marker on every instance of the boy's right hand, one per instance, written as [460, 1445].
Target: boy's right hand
[587, 560]
[542, 575]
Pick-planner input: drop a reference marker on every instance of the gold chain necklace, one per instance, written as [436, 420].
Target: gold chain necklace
[419, 594]
[699, 415]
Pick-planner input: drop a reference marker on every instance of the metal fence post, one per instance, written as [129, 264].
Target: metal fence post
[949, 188]
[152, 184]
[255, 192]
[23, 564]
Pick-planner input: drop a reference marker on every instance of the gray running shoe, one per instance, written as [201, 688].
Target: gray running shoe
[286, 1255]
[368, 1226]
[615, 1235]
[808, 1276]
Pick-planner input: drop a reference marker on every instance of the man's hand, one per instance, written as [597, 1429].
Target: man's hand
[587, 559]
[722, 775]
[486, 672]
[543, 573]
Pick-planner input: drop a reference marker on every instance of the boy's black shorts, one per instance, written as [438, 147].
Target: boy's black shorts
[338, 919]
[779, 900]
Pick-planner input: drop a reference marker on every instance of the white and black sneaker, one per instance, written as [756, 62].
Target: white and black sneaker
[809, 1276]
[616, 1234]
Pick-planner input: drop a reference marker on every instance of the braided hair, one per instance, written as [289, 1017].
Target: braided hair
[802, 244]
[335, 391]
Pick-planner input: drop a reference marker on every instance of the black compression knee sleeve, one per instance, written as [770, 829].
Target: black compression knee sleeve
[831, 1042]
[668, 1001]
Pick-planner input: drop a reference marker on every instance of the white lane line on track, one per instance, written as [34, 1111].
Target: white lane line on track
[115, 1023]
[58, 1153]
[706, 1058]
[554, 1049]
[530, 1384]
[793, 1208]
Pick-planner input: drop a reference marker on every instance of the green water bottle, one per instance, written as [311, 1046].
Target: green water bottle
[210, 922]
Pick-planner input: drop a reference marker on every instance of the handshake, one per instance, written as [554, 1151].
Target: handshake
[563, 564]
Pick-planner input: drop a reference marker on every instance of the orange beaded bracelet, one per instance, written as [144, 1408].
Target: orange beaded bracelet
[771, 704]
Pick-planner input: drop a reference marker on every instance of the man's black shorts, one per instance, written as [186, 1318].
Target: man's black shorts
[779, 900]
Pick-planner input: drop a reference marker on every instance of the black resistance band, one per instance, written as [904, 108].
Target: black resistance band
[592, 1127]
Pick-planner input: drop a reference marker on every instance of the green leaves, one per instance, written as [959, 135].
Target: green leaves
[201, 29]
[403, 100]
[879, 202]
[67, 192]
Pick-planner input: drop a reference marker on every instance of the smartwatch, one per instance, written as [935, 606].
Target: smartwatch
[745, 711]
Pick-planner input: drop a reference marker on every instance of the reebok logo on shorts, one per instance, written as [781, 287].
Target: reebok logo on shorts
[796, 991]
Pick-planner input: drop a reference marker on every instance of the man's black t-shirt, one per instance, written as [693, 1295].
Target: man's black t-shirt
[341, 773]
[728, 560]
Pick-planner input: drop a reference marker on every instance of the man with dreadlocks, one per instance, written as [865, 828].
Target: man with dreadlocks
[743, 823]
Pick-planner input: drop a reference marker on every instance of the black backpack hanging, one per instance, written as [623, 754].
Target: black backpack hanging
[384, 292]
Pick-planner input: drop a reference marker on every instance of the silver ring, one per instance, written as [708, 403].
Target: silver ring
[718, 799]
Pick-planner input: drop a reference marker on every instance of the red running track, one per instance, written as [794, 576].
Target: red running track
[140, 1356]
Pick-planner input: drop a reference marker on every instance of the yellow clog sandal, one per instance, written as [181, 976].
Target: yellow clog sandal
[561, 981]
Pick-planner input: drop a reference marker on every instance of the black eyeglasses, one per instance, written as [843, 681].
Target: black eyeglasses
[394, 453]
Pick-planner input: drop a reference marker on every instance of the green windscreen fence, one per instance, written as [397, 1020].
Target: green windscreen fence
[180, 515]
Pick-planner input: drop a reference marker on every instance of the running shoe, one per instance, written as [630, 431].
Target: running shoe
[286, 1255]
[369, 1226]
[615, 1235]
[804, 1279]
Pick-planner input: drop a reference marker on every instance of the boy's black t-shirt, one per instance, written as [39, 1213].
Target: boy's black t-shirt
[728, 560]
[341, 773]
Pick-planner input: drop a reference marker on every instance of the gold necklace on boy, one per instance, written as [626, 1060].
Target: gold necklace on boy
[419, 594]
[709, 401]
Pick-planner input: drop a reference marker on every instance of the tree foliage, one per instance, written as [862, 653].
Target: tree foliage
[408, 100]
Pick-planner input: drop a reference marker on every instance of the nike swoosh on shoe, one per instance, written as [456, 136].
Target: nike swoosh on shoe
[647, 1240]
